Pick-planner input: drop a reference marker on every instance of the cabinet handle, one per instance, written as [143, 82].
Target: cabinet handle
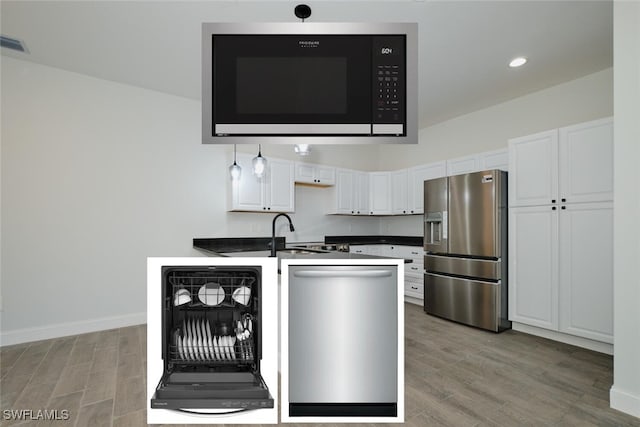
[264, 208]
[414, 287]
[553, 200]
[414, 253]
[351, 211]
[371, 213]
[564, 207]
[269, 208]
[564, 200]
[404, 211]
[553, 208]
[411, 211]
[358, 211]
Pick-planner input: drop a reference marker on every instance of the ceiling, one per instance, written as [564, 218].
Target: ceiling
[464, 47]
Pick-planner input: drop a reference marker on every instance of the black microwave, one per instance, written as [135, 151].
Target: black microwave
[309, 83]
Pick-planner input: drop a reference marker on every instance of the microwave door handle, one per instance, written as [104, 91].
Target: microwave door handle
[346, 273]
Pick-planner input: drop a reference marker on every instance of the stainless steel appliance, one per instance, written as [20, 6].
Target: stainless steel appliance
[309, 83]
[342, 341]
[465, 241]
[211, 339]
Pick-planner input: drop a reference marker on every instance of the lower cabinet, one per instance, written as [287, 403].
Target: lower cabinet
[561, 268]
[414, 286]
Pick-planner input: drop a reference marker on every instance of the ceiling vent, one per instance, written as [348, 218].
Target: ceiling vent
[14, 44]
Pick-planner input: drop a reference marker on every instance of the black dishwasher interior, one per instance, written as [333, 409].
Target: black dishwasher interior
[211, 339]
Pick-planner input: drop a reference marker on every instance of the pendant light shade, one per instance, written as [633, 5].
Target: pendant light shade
[302, 149]
[235, 170]
[259, 164]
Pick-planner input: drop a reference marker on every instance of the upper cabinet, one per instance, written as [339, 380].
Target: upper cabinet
[462, 165]
[533, 163]
[351, 192]
[498, 159]
[273, 192]
[315, 174]
[380, 193]
[586, 162]
[568, 165]
[416, 177]
[399, 192]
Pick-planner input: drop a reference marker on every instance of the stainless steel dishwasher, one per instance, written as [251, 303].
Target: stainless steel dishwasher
[343, 341]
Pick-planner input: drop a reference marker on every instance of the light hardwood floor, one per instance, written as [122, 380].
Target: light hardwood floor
[455, 376]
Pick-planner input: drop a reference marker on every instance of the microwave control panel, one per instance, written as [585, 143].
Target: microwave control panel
[389, 84]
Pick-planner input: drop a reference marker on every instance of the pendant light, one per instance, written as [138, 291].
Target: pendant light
[235, 170]
[259, 164]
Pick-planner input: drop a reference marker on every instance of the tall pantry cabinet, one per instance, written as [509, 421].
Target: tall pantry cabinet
[561, 230]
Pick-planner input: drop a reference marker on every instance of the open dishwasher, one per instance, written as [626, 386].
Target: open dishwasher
[211, 327]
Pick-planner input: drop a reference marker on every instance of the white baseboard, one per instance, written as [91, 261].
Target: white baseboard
[624, 401]
[20, 336]
[598, 346]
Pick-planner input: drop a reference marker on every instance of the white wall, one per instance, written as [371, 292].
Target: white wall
[97, 176]
[579, 100]
[625, 393]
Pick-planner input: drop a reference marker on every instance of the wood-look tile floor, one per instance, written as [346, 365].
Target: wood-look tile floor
[455, 376]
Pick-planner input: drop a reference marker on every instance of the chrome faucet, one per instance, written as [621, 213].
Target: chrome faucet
[273, 231]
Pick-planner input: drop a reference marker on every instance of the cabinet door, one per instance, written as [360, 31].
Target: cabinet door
[399, 192]
[361, 193]
[462, 165]
[533, 266]
[413, 288]
[586, 270]
[247, 193]
[280, 191]
[533, 169]
[305, 173]
[586, 162]
[325, 175]
[379, 193]
[417, 176]
[498, 159]
[344, 191]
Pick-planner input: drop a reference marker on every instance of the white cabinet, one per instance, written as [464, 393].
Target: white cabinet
[533, 266]
[315, 174]
[399, 192]
[379, 193]
[416, 177]
[498, 159]
[279, 186]
[561, 230]
[274, 192]
[573, 164]
[586, 270]
[344, 191]
[351, 192]
[586, 162]
[360, 193]
[533, 166]
[462, 165]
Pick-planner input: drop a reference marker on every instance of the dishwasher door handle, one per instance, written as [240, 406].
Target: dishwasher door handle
[345, 273]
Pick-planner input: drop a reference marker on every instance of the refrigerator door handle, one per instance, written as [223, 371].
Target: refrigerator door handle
[344, 273]
[429, 273]
[445, 224]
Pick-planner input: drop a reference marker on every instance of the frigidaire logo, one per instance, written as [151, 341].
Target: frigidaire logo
[386, 51]
[308, 43]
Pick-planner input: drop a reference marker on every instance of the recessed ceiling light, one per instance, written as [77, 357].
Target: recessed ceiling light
[518, 62]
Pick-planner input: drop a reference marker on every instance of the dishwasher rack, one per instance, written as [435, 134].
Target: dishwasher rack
[212, 289]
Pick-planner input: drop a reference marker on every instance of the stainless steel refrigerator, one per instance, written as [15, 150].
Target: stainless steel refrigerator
[465, 242]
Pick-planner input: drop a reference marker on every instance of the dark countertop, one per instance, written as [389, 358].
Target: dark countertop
[237, 244]
[376, 240]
